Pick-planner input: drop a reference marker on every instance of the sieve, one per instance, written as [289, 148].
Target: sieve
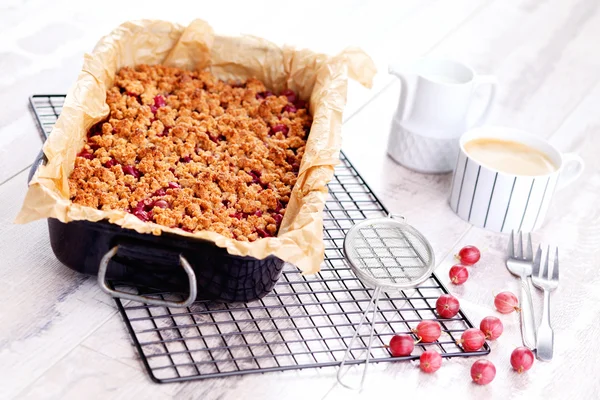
[387, 255]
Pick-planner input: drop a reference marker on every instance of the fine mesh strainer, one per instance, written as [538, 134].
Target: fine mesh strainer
[388, 255]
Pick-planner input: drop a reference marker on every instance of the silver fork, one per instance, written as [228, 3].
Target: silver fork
[546, 280]
[519, 264]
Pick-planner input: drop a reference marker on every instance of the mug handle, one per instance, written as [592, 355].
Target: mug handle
[572, 168]
[492, 82]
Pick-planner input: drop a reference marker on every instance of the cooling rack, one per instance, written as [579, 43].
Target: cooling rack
[305, 322]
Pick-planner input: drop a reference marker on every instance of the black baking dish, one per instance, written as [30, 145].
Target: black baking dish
[153, 262]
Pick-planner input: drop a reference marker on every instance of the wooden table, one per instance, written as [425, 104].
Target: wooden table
[61, 338]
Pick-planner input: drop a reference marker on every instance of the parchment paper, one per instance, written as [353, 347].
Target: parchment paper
[318, 77]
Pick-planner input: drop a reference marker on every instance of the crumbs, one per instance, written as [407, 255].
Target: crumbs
[186, 150]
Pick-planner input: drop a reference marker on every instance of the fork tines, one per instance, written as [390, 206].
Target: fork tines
[521, 254]
[545, 272]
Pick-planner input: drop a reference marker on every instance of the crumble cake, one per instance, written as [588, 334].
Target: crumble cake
[185, 149]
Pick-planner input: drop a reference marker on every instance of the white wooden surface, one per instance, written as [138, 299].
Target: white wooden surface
[61, 338]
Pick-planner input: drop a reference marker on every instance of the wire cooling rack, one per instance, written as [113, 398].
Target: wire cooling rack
[305, 322]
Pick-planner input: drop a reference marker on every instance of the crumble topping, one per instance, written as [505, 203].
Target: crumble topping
[185, 149]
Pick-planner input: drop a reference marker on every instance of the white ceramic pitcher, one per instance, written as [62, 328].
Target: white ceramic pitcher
[442, 94]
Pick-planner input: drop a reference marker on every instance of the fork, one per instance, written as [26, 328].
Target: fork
[546, 280]
[520, 264]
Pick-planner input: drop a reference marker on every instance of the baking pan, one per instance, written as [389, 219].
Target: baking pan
[166, 263]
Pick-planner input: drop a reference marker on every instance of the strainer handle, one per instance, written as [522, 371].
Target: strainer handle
[397, 216]
[374, 302]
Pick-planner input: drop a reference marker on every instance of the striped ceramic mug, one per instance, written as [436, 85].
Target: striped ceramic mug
[489, 198]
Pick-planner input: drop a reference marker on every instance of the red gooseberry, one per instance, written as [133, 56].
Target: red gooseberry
[279, 128]
[160, 192]
[459, 274]
[506, 302]
[143, 215]
[491, 327]
[483, 372]
[263, 95]
[262, 233]
[447, 306]
[290, 108]
[290, 94]
[430, 361]
[300, 104]
[521, 359]
[468, 255]
[428, 331]
[110, 163]
[472, 339]
[131, 170]
[85, 154]
[159, 101]
[401, 345]
[161, 204]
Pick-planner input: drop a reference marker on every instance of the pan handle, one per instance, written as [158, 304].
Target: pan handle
[148, 300]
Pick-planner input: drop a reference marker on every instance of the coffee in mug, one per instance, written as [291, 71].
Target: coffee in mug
[510, 156]
[505, 178]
